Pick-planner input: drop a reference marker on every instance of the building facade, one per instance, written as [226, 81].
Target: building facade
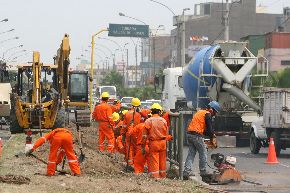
[208, 21]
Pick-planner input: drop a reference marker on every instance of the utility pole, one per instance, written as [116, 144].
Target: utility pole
[136, 65]
[126, 81]
[183, 38]
[226, 21]
[154, 59]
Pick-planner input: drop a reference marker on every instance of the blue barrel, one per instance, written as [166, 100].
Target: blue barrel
[191, 77]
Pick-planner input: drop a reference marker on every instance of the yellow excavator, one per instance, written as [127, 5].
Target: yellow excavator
[44, 93]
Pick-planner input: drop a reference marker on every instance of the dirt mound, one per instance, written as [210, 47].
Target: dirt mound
[101, 173]
[13, 179]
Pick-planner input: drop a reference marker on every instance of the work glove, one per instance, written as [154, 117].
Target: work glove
[28, 152]
[28, 149]
[213, 141]
[169, 138]
[143, 151]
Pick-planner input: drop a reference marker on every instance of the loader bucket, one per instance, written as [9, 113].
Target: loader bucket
[84, 118]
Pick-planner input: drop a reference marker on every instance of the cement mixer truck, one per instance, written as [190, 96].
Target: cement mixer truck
[222, 72]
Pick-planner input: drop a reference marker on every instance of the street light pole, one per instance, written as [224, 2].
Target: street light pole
[7, 31]
[183, 38]
[5, 52]
[92, 67]
[15, 38]
[227, 29]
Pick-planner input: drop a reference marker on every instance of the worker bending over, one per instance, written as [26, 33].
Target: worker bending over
[201, 124]
[103, 114]
[156, 132]
[59, 139]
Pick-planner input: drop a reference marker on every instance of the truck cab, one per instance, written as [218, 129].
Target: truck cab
[173, 97]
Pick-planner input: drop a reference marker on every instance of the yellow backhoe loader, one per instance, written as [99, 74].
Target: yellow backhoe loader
[45, 92]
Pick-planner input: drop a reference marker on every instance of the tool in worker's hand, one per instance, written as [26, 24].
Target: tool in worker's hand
[130, 141]
[82, 155]
[211, 143]
[42, 161]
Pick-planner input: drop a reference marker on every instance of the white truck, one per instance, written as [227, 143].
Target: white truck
[173, 97]
[274, 123]
[110, 89]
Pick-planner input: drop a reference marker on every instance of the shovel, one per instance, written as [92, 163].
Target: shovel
[82, 155]
[41, 160]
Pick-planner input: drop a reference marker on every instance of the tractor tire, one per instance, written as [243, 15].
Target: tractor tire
[277, 141]
[14, 125]
[255, 143]
[59, 121]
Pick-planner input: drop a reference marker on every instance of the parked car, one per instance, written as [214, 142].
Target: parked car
[154, 101]
[146, 105]
[126, 102]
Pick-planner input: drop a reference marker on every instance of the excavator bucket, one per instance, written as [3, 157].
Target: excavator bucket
[83, 117]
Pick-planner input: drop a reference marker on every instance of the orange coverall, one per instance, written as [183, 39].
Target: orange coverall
[157, 133]
[103, 114]
[59, 138]
[139, 159]
[130, 142]
[116, 107]
[165, 115]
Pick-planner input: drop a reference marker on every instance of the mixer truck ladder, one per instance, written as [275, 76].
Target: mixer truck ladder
[203, 82]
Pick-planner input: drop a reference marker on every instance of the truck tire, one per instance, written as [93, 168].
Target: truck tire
[255, 143]
[277, 141]
[59, 121]
[14, 125]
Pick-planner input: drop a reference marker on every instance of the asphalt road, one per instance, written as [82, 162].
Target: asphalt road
[263, 177]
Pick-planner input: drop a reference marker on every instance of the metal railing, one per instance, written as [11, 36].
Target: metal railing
[175, 147]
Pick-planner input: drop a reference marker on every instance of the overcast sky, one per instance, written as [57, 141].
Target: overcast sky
[41, 24]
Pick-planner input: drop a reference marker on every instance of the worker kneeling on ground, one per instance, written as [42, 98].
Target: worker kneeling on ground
[103, 114]
[59, 138]
[200, 125]
[156, 131]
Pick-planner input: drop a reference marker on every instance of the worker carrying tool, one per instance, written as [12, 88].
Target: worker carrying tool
[59, 138]
[200, 125]
[156, 132]
[103, 114]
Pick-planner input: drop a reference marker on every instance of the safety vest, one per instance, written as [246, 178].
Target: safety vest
[197, 123]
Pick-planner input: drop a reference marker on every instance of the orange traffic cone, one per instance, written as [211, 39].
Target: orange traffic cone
[272, 158]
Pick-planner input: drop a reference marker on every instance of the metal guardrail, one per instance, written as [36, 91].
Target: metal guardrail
[175, 147]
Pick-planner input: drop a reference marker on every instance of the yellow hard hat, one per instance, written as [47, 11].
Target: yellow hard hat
[105, 95]
[136, 102]
[115, 116]
[156, 106]
[124, 112]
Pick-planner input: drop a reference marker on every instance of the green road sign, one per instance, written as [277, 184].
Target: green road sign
[129, 30]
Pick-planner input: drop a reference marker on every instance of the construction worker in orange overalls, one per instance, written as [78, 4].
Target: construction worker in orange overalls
[165, 115]
[144, 113]
[156, 132]
[103, 114]
[59, 139]
[141, 157]
[131, 119]
[116, 106]
[119, 132]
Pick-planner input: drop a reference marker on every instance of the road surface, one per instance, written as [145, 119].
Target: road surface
[264, 177]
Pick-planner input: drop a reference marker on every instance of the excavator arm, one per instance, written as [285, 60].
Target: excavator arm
[62, 62]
